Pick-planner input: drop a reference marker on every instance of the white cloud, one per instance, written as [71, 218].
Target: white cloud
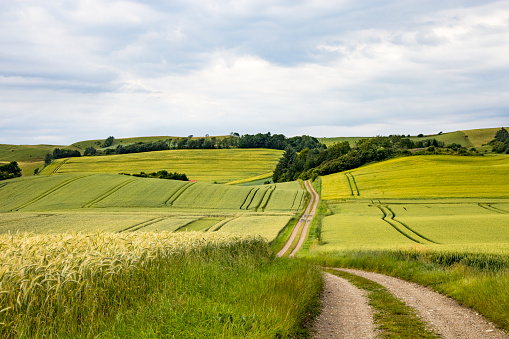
[188, 67]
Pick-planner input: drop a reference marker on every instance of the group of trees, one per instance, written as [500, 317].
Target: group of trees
[10, 170]
[312, 162]
[234, 140]
[161, 175]
[501, 142]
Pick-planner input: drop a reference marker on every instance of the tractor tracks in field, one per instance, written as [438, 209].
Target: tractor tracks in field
[108, 193]
[48, 192]
[491, 208]
[354, 189]
[390, 218]
[302, 226]
[59, 166]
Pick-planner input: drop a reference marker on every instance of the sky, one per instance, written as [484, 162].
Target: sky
[77, 70]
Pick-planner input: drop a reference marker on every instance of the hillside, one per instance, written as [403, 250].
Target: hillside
[217, 165]
[467, 138]
[423, 177]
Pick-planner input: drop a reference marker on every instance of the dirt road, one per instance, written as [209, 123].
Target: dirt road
[303, 223]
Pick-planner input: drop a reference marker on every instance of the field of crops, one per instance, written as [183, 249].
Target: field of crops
[441, 202]
[119, 203]
[135, 284]
[433, 176]
[211, 166]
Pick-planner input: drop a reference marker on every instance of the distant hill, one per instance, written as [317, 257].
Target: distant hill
[467, 138]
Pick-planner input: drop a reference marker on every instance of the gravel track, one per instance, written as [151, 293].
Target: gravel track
[443, 314]
[345, 312]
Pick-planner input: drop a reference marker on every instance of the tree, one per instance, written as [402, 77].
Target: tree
[108, 142]
[10, 170]
[47, 159]
[90, 151]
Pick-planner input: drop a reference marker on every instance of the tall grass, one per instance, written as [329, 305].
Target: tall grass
[82, 285]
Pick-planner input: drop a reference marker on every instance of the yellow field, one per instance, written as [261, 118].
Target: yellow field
[217, 165]
[434, 176]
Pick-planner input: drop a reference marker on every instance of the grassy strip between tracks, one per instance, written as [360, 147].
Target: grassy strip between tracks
[392, 317]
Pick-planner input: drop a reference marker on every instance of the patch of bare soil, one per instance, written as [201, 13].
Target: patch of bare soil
[345, 313]
[445, 315]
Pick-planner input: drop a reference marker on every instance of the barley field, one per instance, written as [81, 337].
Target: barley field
[86, 285]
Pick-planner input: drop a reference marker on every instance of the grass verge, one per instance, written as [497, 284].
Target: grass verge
[392, 317]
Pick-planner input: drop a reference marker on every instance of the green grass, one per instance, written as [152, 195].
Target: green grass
[25, 153]
[217, 165]
[392, 317]
[433, 176]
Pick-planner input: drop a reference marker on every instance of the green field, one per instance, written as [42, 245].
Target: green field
[435, 201]
[217, 165]
[119, 203]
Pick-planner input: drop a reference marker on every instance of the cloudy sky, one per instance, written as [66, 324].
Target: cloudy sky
[72, 70]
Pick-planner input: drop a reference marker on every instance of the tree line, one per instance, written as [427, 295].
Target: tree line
[312, 162]
[161, 175]
[501, 142]
[234, 140]
[10, 170]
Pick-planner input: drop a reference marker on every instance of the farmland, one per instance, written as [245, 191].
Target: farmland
[435, 220]
[49, 282]
[437, 176]
[435, 201]
[218, 165]
[118, 203]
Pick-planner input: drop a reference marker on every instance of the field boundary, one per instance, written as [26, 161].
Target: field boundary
[302, 226]
[48, 192]
[177, 194]
[108, 193]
